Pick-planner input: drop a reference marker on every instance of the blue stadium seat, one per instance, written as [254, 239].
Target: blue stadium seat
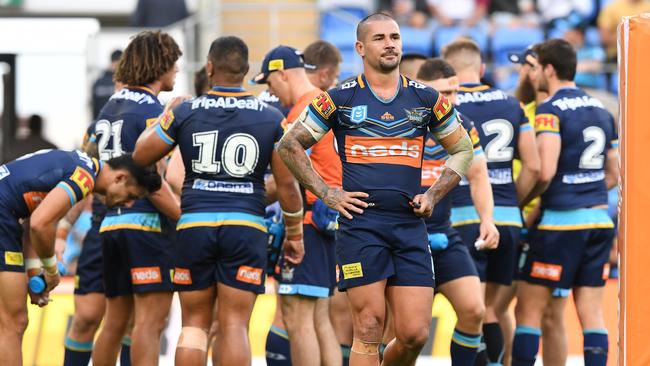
[613, 83]
[513, 40]
[592, 37]
[445, 35]
[339, 26]
[416, 40]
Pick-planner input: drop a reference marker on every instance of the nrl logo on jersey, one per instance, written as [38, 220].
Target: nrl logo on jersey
[417, 118]
[359, 114]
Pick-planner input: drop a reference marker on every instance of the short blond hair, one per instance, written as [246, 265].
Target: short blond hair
[462, 54]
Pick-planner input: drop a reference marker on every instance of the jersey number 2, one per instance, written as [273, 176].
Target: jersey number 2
[499, 149]
[239, 154]
[592, 157]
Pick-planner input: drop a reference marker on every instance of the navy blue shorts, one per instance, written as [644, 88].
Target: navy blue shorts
[454, 261]
[11, 243]
[316, 275]
[570, 249]
[377, 246]
[230, 254]
[90, 269]
[136, 261]
[493, 265]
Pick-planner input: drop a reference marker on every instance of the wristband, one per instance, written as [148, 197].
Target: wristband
[293, 230]
[32, 263]
[297, 214]
[49, 262]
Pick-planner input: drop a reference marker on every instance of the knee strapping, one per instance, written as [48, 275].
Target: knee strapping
[193, 337]
[365, 348]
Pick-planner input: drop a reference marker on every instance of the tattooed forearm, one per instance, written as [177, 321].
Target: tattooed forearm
[447, 181]
[292, 151]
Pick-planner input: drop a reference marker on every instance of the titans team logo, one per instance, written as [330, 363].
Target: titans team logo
[359, 113]
[417, 118]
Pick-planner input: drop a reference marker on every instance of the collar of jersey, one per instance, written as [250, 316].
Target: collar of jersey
[98, 166]
[229, 91]
[143, 88]
[361, 79]
[472, 87]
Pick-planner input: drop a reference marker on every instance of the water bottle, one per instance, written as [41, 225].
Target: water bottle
[37, 284]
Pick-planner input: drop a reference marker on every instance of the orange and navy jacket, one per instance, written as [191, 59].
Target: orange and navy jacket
[380, 142]
[26, 181]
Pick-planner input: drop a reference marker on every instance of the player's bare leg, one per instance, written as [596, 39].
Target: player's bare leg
[88, 313]
[368, 315]
[234, 314]
[589, 305]
[151, 310]
[330, 349]
[196, 315]
[341, 318]
[13, 317]
[298, 314]
[212, 335]
[109, 342]
[411, 310]
[554, 339]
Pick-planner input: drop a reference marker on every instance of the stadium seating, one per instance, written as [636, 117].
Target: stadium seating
[512, 40]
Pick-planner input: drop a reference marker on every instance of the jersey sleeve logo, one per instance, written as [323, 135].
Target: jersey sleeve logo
[442, 107]
[324, 105]
[83, 180]
[547, 123]
[150, 122]
[473, 134]
[166, 120]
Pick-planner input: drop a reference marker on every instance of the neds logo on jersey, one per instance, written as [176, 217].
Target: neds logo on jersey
[324, 105]
[384, 150]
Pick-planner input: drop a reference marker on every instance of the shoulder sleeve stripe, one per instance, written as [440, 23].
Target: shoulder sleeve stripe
[525, 127]
[314, 118]
[159, 131]
[66, 187]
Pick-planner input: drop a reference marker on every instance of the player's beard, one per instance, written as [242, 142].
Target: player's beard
[387, 66]
[526, 91]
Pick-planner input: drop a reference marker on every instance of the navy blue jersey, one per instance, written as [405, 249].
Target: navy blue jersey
[126, 115]
[381, 142]
[499, 119]
[587, 131]
[226, 138]
[435, 157]
[26, 181]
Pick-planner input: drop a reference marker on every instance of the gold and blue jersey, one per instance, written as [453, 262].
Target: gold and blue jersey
[26, 181]
[499, 119]
[226, 138]
[381, 142]
[587, 133]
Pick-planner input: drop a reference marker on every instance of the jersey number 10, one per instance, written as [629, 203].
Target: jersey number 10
[238, 157]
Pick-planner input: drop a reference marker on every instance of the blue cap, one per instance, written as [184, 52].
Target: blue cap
[520, 57]
[280, 58]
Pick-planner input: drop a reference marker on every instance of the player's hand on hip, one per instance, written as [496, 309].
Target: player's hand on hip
[345, 202]
[422, 205]
[294, 250]
[488, 236]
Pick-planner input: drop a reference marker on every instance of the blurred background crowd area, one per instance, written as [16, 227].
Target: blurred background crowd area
[56, 56]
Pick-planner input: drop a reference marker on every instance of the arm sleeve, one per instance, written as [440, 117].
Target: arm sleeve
[168, 124]
[524, 122]
[546, 120]
[322, 113]
[444, 118]
[613, 144]
[473, 134]
[78, 184]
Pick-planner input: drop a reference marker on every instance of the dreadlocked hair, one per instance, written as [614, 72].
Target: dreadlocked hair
[147, 57]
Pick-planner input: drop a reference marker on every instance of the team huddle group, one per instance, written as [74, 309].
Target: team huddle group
[391, 185]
